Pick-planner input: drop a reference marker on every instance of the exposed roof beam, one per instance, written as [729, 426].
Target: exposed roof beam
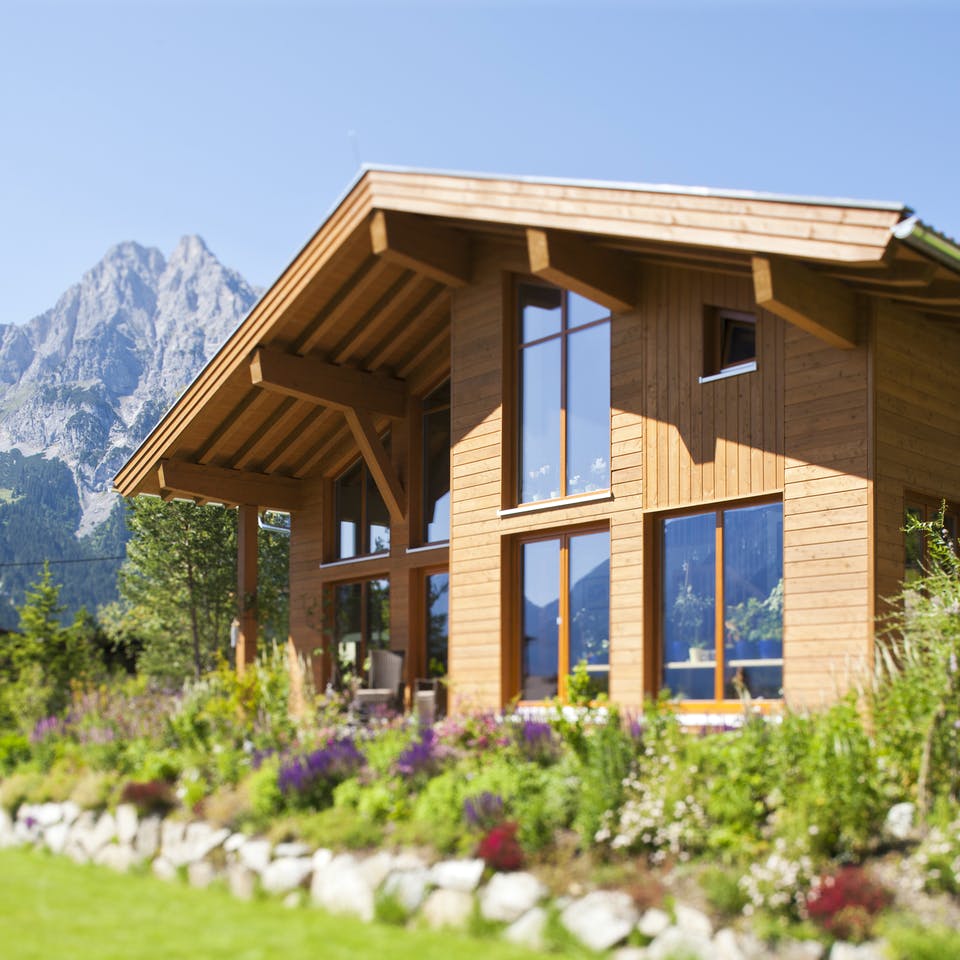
[417, 244]
[378, 462]
[605, 276]
[221, 485]
[899, 273]
[817, 304]
[313, 379]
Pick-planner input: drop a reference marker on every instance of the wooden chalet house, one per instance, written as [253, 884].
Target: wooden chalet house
[519, 424]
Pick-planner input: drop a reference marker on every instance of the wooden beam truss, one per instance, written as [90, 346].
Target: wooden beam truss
[427, 248]
[180, 478]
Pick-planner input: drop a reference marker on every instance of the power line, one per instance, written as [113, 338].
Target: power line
[39, 563]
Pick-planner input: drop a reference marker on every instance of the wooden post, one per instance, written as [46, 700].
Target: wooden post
[246, 651]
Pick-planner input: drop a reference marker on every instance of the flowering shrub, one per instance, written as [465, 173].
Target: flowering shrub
[780, 884]
[421, 759]
[484, 811]
[935, 866]
[152, 796]
[500, 849]
[658, 815]
[536, 741]
[846, 903]
[308, 781]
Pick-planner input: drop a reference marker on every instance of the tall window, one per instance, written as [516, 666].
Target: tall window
[722, 603]
[564, 399]
[362, 519]
[361, 616]
[565, 612]
[436, 465]
[437, 590]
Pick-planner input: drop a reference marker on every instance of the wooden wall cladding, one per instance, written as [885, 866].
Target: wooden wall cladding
[916, 370]
[827, 518]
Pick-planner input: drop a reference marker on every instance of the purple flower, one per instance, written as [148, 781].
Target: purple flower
[47, 727]
[536, 740]
[420, 757]
[310, 779]
[483, 811]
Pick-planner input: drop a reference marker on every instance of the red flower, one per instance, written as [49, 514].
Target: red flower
[846, 903]
[500, 849]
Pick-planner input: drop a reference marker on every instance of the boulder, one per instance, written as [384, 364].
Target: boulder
[407, 887]
[55, 837]
[901, 821]
[285, 874]
[447, 908]
[601, 919]
[201, 873]
[374, 869]
[164, 869]
[691, 920]
[726, 946]
[339, 887]
[147, 841]
[127, 823]
[255, 855]
[289, 850]
[528, 930]
[462, 875]
[653, 922]
[677, 942]
[116, 857]
[241, 881]
[863, 951]
[510, 895]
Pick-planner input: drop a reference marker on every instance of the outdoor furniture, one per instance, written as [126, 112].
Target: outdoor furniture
[386, 682]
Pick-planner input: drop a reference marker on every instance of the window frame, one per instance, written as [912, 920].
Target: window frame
[514, 576]
[718, 323]
[366, 481]
[425, 412]
[928, 508]
[364, 643]
[513, 377]
[655, 659]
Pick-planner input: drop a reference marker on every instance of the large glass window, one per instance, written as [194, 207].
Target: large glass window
[722, 603]
[565, 612]
[362, 518]
[437, 587]
[564, 397]
[436, 465]
[361, 617]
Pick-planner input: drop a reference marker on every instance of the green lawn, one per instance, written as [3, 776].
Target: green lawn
[51, 907]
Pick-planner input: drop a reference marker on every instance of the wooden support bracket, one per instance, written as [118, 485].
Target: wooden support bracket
[817, 304]
[220, 485]
[607, 277]
[378, 462]
[417, 244]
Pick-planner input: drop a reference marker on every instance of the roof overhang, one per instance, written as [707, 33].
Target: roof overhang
[359, 320]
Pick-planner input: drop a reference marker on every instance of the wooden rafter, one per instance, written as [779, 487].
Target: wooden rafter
[408, 329]
[222, 485]
[315, 380]
[817, 304]
[417, 244]
[378, 462]
[605, 276]
[900, 273]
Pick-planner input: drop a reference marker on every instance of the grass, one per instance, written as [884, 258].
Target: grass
[52, 907]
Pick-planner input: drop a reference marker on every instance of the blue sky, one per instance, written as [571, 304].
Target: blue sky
[145, 121]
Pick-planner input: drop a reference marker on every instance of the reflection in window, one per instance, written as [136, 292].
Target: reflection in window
[729, 341]
[924, 510]
[436, 465]
[437, 605]
[362, 519]
[361, 614]
[564, 367]
[750, 545]
[561, 628]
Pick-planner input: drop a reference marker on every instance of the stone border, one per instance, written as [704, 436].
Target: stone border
[444, 894]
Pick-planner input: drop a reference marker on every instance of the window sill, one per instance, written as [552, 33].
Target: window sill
[537, 505]
[427, 547]
[730, 372]
[350, 561]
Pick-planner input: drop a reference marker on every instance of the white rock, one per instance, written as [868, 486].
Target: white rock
[798, 950]
[510, 895]
[234, 842]
[691, 920]
[462, 875]
[447, 908]
[293, 900]
[171, 834]
[255, 855]
[339, 887]
[629, 953]
[850, 951]
[200, 840]
[47, 814]
[242, 881]
[677, 942]
[727, 947]
[56, 836]
[76, 851]
[164, 868]
[70, 810]
[6, 828]
[115, 857]
[127, 822]
[201, 873]
[290, 850]
[601, 919]
[322, 858]
[900, 821]
[654, 921]
[408, 860]
[407, 887]
[147, 841]
[285, 874]
[374, 869]
[528, 930]
[103, 832]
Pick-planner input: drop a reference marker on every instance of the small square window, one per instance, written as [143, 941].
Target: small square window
[729, 342]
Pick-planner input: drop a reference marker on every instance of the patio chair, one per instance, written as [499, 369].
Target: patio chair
[386, 682]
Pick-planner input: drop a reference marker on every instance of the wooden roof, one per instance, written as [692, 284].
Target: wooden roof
[359, 321]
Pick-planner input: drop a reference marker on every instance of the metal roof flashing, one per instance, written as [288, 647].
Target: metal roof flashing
[916, 234]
